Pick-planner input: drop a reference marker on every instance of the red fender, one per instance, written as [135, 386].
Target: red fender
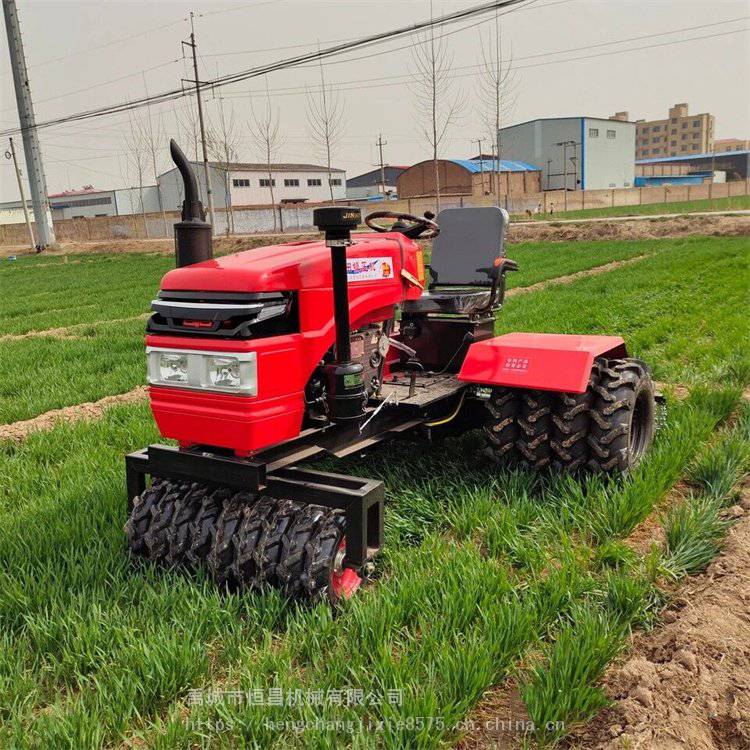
[542, 361]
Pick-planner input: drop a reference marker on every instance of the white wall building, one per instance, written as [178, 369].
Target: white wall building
[245, 184]
[575, 153]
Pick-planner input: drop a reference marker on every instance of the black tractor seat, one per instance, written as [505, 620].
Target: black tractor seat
[468, 261]
[452, 300]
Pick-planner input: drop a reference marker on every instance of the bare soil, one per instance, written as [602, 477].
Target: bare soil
[66, 332]
[570, 278]
[222, 245]
[687, 684]
[634, 229]
[637, 229]
[90, 410]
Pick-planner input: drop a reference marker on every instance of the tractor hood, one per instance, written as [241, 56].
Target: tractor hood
[290, 266]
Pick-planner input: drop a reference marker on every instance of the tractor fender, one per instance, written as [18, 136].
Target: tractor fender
[540, 361]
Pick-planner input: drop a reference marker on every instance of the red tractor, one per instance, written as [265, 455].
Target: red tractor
[262, 359]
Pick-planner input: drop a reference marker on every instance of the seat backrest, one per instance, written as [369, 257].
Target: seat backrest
[469, 238]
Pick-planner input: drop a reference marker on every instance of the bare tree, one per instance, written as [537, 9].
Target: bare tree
[436, 101]
[137, 159]
[223, 142]
[156, 143]
[498, 88]
[325, 121]
[264, 129]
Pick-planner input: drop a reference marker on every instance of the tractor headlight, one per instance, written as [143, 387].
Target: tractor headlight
[224, 372]
[173, 368]
[211, 371]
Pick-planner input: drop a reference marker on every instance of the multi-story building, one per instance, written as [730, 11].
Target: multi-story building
[680, 134]
[575, 153]
[731, 144]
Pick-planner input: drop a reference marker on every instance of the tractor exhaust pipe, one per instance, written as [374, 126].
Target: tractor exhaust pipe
[346, 389]
[193, 236]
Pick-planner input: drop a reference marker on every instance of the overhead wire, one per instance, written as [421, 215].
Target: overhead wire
[321, 54]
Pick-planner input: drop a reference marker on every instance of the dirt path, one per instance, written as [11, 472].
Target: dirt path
[67, 332]
[89, 410]
[687, 684]
[570, 278]
[554, 231]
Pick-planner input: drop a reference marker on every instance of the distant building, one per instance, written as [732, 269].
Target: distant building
[89, 203]
[679, 134]
[243, 184]
[735, 165]
[368, 185]
[731, 144]
[85, 203]
[575, 153]
[469, 177]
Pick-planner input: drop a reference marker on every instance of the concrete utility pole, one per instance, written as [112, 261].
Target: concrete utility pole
[34, 166]
[12, 155]
[209, 192]
[380, 143]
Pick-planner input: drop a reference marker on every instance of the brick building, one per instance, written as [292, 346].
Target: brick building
[731, 144]
[469, 177]
[680, 134]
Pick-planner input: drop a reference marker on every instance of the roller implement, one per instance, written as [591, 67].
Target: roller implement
[260, 360]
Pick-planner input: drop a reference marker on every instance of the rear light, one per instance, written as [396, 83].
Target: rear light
[234, 372]
[197, 323]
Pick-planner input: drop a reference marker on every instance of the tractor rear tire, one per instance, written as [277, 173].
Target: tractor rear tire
[139, 520]
[571, 424]
[623, 415]
[221, 558]
[501, 423]
[535, 427]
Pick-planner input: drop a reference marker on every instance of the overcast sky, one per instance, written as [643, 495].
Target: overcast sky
[90, 54]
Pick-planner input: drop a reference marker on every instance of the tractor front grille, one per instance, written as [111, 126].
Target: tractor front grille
[224, 314]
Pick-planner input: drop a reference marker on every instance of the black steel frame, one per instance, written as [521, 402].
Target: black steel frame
[361, 499]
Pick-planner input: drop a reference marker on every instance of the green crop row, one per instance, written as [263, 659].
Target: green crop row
[482, 568]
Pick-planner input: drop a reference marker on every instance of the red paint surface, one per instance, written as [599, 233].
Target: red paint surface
[285, 363]
[543, 361]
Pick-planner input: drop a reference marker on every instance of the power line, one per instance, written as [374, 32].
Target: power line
[399, 79]
[368, 41]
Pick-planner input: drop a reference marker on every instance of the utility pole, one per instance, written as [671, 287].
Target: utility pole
[12, 154]
[209, 193]
[34, 166]
[380, 143]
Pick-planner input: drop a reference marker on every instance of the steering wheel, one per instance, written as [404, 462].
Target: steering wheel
[423, 228]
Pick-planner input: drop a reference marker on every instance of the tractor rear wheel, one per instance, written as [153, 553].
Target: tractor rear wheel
[535, 427]
[571, 423]
[501, 423]
[623, 415]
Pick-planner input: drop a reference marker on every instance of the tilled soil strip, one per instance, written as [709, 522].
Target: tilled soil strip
[67, 332]
[91, 410]
[570, 278]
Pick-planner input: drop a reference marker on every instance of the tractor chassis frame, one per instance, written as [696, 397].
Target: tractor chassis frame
[274, 470]
[361, 499]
